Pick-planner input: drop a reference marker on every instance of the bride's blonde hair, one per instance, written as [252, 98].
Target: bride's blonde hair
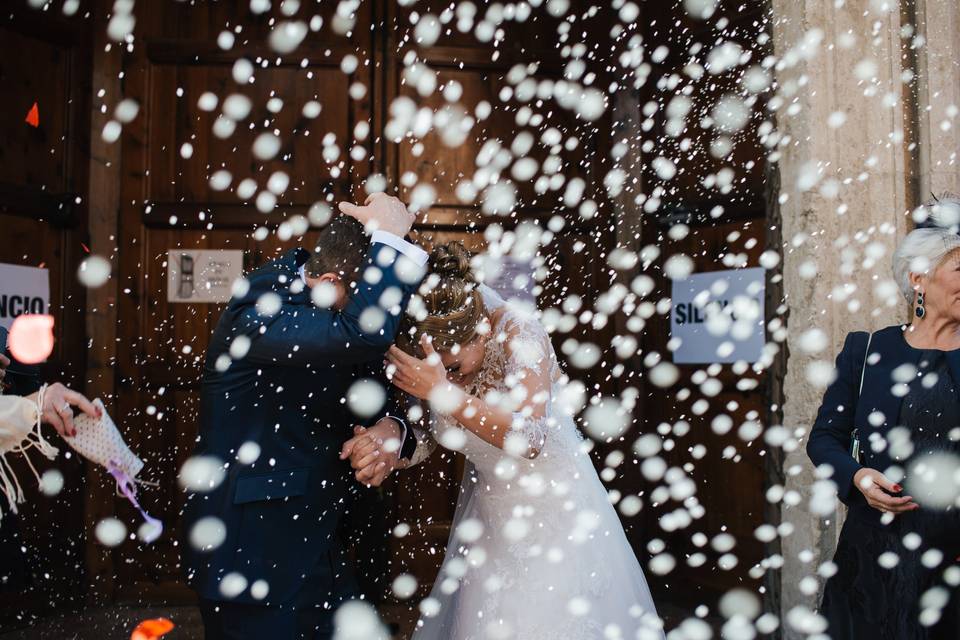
[453, 303]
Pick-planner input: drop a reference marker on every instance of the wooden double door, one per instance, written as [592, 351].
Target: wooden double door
[43, 218]
[170, 151]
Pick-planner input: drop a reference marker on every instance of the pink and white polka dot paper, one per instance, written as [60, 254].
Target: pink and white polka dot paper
[100, 441]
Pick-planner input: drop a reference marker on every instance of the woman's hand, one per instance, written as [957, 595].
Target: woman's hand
[56, 411]
[876, 488]
[415, 376]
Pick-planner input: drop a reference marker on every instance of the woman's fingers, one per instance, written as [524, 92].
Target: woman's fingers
[395, 361]
[80, 401]
[51, 417]
[358, 445]
[347, 449]
[373, 196]
[402, 356]
[894, 509]
[884, 502]
[885, 484]
[66, 414]
[404, 370]
[894, 503]
[380, 474]
[406, 388]
[427, 343]
[401, 380]
[368, 473]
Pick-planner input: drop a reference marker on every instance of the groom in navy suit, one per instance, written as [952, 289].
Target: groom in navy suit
[275, 413]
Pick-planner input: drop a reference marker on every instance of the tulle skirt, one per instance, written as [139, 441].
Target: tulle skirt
[573, 577]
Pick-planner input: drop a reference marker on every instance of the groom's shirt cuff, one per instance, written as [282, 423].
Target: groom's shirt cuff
[412, 251]
[403, 432]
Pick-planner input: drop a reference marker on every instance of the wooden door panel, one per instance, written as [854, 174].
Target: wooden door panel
[444, 167]
[34, 70]
[523, 28]
[441, 165]
[176, 179]
[730, 488]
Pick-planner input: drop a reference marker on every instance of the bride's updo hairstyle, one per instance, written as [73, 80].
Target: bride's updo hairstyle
[452, 302]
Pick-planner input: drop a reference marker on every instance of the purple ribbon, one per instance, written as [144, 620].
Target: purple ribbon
[129, 490]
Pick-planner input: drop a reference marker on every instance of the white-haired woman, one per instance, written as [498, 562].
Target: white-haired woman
[890, 418]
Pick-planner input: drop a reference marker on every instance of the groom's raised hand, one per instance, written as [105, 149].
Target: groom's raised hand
[374, 453]
[380, 211]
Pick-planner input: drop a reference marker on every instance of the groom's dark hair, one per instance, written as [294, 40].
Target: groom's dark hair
[341, 248]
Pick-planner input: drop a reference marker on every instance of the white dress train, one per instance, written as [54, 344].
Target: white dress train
[536, 550]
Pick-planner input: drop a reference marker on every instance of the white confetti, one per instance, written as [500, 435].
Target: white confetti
[51, 482]
[287, 36]
[94, 271]
[366, 397]
[266, 146]
[208, 533]
[606, 420]
[242, 71]
[110, 532]
[201, 473]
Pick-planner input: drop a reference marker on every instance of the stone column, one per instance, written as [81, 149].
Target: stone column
[844, 170]
[936, 46]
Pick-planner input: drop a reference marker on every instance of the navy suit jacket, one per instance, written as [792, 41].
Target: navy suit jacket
[287, 395]
[845, 407]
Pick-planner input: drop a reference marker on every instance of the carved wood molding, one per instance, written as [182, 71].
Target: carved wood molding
[29, 202]
[204, 52]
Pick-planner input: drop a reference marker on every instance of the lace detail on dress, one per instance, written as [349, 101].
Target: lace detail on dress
[425, 446]
[533, 430]
[519, 358]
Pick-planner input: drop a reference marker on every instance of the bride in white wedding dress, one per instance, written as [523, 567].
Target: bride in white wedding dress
[536, 551]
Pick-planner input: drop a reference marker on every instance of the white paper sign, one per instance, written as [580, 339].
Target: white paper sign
[22, 290]
[202, 275]
[718, 316]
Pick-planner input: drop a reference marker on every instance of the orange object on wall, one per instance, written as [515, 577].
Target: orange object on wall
[33, 116]
[152, 629]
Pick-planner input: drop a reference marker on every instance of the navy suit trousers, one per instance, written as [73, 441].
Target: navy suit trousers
[308, 617]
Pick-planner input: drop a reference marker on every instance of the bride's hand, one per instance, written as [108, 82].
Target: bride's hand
[415, 376]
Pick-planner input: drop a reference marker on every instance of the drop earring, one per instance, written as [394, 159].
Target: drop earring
[920, 311]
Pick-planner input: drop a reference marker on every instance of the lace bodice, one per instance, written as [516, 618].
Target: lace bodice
[519, 373]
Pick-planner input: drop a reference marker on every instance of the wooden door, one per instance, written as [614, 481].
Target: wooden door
[43, 214]
[719, 226]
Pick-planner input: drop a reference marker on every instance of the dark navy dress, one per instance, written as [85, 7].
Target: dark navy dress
[865, 600]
